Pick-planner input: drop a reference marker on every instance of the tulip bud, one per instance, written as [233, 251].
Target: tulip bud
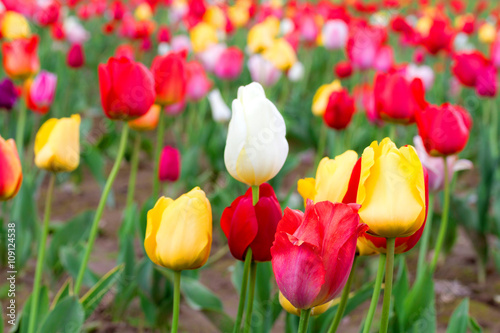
[391, 190]
[230, 64]
[170, 164]
[252, 226]
[322, 96]
[14, 26]
[147, 122]
[11, 174]
[220, 110]
[20, 59]
[313, 252]
[169, 73]
[343, 69]
[41, 92]
[444, 129]
[57, 144]
[197, 82]
[256, 147]
[339, 110]
[76, 56]
[8, 94]
[334, 34]
[127, 88]
[467, 65]
[202, 36]
[487, 33]
[74, 31]
[179, 233]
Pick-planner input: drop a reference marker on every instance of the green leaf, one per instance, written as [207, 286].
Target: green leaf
[198, 296]
[71, 258]
[93, 297]
[64, 291]
[43, 308]
[419, 311]
[460, 318]
[474, 326]
[67, 317]
[220, 319]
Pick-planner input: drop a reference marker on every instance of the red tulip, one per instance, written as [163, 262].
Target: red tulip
[11, 175]
[170, 164]
[118, 10]
[20, 59]
[198, 84]
[439, 37]
[163, 35]
[343, 69]
[312, 254]
[396, 99]
[127, 88]
[230, 64]
[339, 110]
[444, 129]
[169, 73]
[76, 56]
[487, 84]
[248, 226]
[467, 65]
[125, 50]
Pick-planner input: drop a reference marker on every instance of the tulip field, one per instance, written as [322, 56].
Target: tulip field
[250, 166]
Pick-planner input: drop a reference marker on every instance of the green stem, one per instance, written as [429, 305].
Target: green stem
[255, 194]
[321, 144]
[444, 218]
[392, 132]
[21, 125]
[243, 291]
[159, 145]
[41, 256]
[177, 301]
[493, 129]
[251, 292]
[134, 166]
[100, 208]
[424, 241]
[343, 299]
[389, 268]
[304, 320]
[376, 294]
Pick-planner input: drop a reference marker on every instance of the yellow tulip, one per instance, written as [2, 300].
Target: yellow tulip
[238, 15]
[424, 25]
[315, 311]
[364, 247]
[281, 54]
[179, 233]
[14, 26]
[57, 144]
[391, 190]
[261, 36]
[215, 17]
[143, 12]
[332, 179]
[487, 33]
[320, 99]
[202, 36]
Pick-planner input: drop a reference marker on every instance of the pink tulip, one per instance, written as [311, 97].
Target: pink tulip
[313, 252]
[263, 71]
[198, 84]
[495, 52]
[334, 34]
[211, 55]
[384, 59]
[170, 164]
[230, 64]
[76, 56]
[42, 92]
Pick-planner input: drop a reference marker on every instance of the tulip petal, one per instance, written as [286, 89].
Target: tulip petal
[307, 188]
[154, 221]
[268, 214]
[244, 230]
[290, 222]
[299, 270]
[236, 137]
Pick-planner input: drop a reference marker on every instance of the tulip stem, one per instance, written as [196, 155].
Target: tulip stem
[321, 144]
[21, 124]
[41, 255]
[304, 320]
[255, 194]
[376, 294]
[389, 268]
[177, 301]
[100, 208]
[251, 292]
[134, 166]
[424, 242]
[243, 291]
[159, 144]
[343, 300]
[444, 218]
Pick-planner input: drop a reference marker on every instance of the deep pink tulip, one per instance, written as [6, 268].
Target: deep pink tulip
[170, 164]
[313, 252]
[76, 56]
[41, 92]
[230, 64]
[198, 84]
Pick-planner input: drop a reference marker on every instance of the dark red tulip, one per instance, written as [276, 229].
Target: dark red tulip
[127, 88]
[170, 164]
[76, 56]
[343, 69]
[163, 35]
[169, 73]
[313, 252]
[397, 99]
[467, 65]
[118, 10]
[339, 110]
[439, 37]
[248, 226]
[444, 129]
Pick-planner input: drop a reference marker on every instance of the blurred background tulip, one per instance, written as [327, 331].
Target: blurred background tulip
[14, 26]
[229, 64]
[20, 58]
[169, 74]
[41, 92]
[148, 121]
[8, 94]
[11, 174]
[170, 164]
[339, 110]
[197, 82]
[76, 56]
[220, 110]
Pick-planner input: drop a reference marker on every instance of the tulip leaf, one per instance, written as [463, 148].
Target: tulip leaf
[220, 319]
[460, 318]
[64, 291]
[67, 317]
[419, 312]
[43, 309]
[474, 326]
[71, 257]
[93, 297]
[198, 296]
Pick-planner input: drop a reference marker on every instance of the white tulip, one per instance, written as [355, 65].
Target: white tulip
[423, 72]
[220, 110]
[335, 34]
[256, 147]
[262, 70]
[296, 73]
[74, 31]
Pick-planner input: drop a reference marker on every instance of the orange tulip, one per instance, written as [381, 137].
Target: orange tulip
[11, 175]
[20, 58]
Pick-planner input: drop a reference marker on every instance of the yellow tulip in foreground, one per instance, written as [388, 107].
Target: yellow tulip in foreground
[332, 179]
[57, 144]
[391, 190]
[179, 232]
[320, 99]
